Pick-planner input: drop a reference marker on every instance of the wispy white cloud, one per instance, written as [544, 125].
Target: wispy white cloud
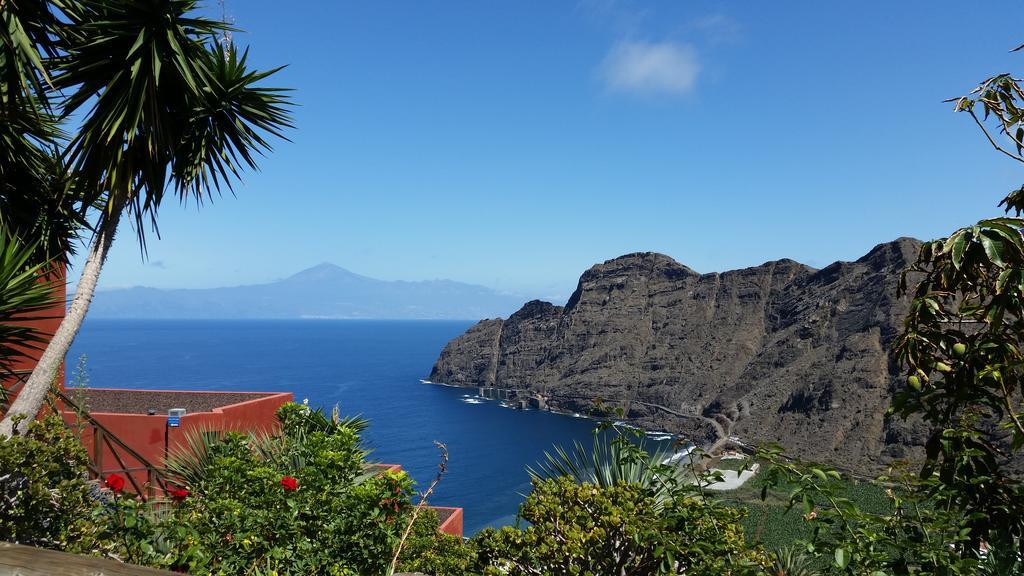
[621, 17]
[719, 28]
[651, 68]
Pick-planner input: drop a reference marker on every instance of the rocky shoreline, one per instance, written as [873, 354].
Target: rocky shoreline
[523, 400]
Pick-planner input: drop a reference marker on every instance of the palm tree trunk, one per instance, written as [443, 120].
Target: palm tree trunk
[32, 396]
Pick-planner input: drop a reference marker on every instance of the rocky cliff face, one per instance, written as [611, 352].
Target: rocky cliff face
[780, 352]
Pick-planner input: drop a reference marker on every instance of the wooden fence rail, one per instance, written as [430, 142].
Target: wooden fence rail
[18, 560]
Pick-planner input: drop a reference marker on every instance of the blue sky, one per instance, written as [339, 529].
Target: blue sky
[515, 144]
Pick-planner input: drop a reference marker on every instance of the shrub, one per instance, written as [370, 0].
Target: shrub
[293, 503]
[914, 534]
[44, 498]
[297, 502]
[621, 529]
[431, 552]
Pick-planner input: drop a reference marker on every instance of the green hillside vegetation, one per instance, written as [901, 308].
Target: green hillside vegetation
[771, 522]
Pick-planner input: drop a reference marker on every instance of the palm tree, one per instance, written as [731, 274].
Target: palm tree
[40, 216]
[167, 108]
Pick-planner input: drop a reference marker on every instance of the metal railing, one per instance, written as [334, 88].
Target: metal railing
[104, 440]
[20, 377]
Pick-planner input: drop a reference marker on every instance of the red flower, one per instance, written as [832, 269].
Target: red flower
[179, 494]
[290, 484]
[115, 482]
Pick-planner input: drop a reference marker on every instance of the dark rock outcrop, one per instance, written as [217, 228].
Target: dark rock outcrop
[780, 352]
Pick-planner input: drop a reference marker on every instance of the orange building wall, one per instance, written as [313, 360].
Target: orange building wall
[47, 324]
[146, 434]
[453, 524]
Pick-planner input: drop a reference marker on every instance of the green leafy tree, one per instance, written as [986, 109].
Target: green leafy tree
[963, 511]
[431, 552]
[165, 108]
[962, 346]
[917, 535]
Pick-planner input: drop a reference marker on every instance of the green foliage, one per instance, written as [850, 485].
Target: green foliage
[588, 530]
[186, 464]
[961, 346]
[791, 561]
[297, 502]
[167, 106]
[44, 499]
[617, 509]
[241, 517]
[298, 419]
[241, 507]
[22, 296]
[431, 552]
[38, 201]
[304, 432]
[769, 520]
[613, 460]
[963, 340]
[770, 525]
[914, 534]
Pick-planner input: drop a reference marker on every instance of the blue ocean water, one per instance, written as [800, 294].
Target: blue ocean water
[372, 368]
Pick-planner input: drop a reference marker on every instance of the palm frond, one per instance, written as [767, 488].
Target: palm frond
[166, 106]
[228, 126]
[309, 420]
[613, 460]
[24, 295]
[44, 206]
[29, 37]
[280, 450]
[790, 561]
[187, 464]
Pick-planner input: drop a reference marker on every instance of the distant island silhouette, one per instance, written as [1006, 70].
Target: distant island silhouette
[323, 291]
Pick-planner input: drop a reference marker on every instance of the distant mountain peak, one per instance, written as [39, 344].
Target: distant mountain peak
[325, 271]
[322, 291]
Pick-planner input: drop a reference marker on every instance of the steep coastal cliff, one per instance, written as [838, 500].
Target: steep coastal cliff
[780, 352]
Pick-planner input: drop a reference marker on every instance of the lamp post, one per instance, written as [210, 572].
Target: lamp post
[173, 421]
